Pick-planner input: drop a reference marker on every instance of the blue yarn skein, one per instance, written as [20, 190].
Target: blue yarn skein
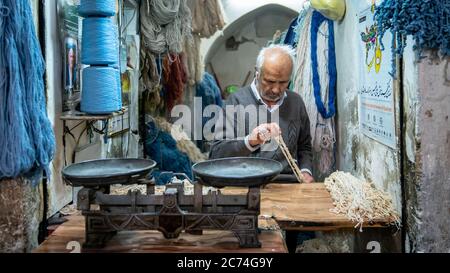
[210, 93]
[99, 8]
[100, 46]
[316, 22]
[100, 94]
[26, 135]
[161, 147]
[428, 22]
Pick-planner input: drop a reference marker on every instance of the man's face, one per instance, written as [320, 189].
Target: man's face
[273, 80]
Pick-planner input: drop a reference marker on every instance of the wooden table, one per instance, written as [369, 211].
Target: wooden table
[290, 207]
[303, 207]
[71, 234]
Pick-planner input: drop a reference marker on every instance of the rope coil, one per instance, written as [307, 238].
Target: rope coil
[97, 8]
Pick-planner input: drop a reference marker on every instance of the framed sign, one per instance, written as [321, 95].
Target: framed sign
[375, 94]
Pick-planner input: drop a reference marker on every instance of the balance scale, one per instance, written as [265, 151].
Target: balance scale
[174, 211]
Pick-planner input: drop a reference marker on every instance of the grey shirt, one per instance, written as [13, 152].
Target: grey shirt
[230, 132]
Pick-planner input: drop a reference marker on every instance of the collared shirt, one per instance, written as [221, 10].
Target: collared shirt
[271, 110]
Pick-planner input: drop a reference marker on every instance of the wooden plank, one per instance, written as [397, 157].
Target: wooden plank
[154, 242]
[303, 206]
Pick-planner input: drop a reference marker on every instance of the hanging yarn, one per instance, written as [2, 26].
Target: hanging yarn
[99, 42]
[193, 61]
[324, 142]
[161, 147]
[97, 8]
[322, 130]
[184, 143]
[101, 93]
[150, 83]
[164, 25]
[174, 80]
[291, 36]
[428, 22]
[4, 11]
[210, 94]
[26, 134]
[317, 20]
[359, 200]
[207, 17]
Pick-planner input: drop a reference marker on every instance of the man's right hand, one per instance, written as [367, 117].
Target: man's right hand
[263, 133]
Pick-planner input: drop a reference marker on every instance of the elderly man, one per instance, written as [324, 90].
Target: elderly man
[278, 111]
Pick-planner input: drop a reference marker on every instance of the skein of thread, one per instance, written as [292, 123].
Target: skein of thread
[100, 46]
[90, 8]
[101, 92]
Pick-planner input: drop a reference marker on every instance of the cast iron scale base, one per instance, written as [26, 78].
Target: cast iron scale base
[172, 212]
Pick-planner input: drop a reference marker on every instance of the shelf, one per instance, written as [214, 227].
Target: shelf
[84, 116]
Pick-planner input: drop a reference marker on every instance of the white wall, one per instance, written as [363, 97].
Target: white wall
[253, 20]
[59, 194]
[358, 154]
[234, 9]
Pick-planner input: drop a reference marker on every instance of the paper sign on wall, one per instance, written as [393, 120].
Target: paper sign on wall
[376, 96]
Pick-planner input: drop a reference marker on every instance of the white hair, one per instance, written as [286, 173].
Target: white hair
[262, 54]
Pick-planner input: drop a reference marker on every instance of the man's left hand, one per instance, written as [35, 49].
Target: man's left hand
[307, 178]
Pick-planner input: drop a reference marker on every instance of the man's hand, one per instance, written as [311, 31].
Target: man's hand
[263, 133]
[307, 178]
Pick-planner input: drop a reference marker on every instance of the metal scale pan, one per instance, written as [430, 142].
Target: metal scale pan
[237, 172]
[105, 172]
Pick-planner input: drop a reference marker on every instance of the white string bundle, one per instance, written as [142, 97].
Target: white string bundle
[359, 200]
[322, 131]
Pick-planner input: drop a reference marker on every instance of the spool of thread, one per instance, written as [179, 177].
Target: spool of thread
[89, 8]
[101, 92]
[99, 45]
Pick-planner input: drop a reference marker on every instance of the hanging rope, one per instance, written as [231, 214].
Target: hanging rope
[26, 134]
[428, 22]
[317, 20]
